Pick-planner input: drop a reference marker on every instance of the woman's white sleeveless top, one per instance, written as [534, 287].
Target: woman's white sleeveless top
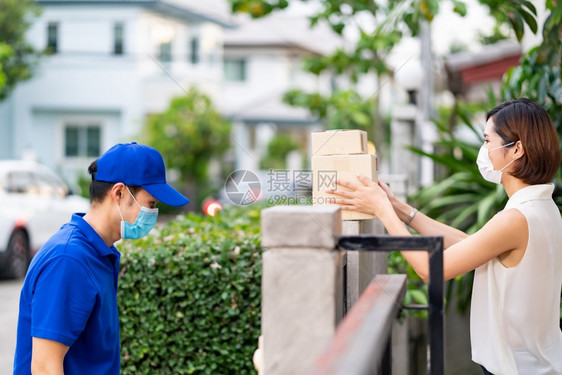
[515, 312]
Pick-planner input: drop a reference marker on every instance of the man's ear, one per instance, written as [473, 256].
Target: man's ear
[117, 191]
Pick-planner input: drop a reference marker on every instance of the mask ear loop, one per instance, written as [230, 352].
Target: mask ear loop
[122, 220]
[132, 196]
[502, 146]
[508, 164]
[511, 162]
[120, 214]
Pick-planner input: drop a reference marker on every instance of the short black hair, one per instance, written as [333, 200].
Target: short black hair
[99, 189]
[523, 119]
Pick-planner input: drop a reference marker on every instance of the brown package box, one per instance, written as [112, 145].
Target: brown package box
[339, 142]
[327, 169]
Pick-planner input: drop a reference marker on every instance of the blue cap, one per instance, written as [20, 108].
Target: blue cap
[138, 165]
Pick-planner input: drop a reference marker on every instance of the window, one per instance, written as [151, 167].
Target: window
[165, 52]
[235, 70]
[82, 141]
[52, 37]
[118, 39]
[194, 51]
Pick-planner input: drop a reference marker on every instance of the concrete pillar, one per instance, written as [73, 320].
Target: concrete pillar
[362, 266]
[428, 137]
[301, 285]
[403, 134]
[399, 347]
[265, 132]
[244, 155]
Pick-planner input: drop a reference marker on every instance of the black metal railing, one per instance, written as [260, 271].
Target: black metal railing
[434, 247]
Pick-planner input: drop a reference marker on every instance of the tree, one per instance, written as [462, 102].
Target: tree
[17, 57]
[539, 75]
[343, 109]
[277, 150]
[189, 134]
[463, 199]
[392, 20]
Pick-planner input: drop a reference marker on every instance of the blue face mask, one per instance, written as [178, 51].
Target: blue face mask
[146, 220]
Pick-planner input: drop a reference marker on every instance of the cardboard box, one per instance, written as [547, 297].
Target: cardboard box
[327, 169]
[339, 142]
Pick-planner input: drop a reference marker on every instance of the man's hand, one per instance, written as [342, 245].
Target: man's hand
[47, 357]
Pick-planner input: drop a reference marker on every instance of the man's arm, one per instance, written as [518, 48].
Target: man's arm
[47, 357]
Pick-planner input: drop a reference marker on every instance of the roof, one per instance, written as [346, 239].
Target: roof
[272, 109]
[486, 65]
[171, 8]
[219, 9]
[283, 31]
[277, 29]
[490, 53]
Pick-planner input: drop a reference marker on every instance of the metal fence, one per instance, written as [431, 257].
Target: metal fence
[380, 347]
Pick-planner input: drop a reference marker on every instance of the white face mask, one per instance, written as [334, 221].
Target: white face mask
[486, 167]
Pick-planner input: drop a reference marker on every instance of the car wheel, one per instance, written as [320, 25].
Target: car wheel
[18, 256]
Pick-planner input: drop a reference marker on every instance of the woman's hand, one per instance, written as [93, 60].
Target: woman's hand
[365, 196]
[400, 208]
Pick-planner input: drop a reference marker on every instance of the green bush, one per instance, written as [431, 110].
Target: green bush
[277, 150]
[189, 296]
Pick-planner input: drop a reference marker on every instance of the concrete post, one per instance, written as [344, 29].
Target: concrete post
[301, 285]
[403, 134]
[241, 134]
[362, 267]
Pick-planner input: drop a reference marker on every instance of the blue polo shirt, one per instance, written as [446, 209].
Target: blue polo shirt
[70, 296]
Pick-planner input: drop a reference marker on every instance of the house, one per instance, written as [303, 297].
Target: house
[111, 64]
[263, 59]
[471, 74]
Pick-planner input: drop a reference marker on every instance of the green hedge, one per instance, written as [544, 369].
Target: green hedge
[189, 296]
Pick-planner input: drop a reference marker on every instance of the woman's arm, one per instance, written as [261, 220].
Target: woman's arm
[506, 233]
[421, 223]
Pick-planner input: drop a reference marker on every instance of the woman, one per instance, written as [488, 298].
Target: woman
[517, 254]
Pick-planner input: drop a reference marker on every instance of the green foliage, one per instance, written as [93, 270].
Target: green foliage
[539, 75]
[369, 55]
[258, 8]
[188, 135]
[277, 150]
[416, 292]
[463, 199]
[515, 13]
[17, 57]
[390, 21]
[496, 36]
[344, 109]
[189, 296]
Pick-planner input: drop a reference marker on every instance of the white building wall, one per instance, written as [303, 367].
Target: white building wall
[163, 81]
[85, 83]
[269, 72]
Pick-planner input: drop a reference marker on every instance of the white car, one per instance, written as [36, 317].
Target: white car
[34, 203]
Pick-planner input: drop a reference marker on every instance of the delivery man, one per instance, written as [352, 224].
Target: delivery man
[68, 319]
